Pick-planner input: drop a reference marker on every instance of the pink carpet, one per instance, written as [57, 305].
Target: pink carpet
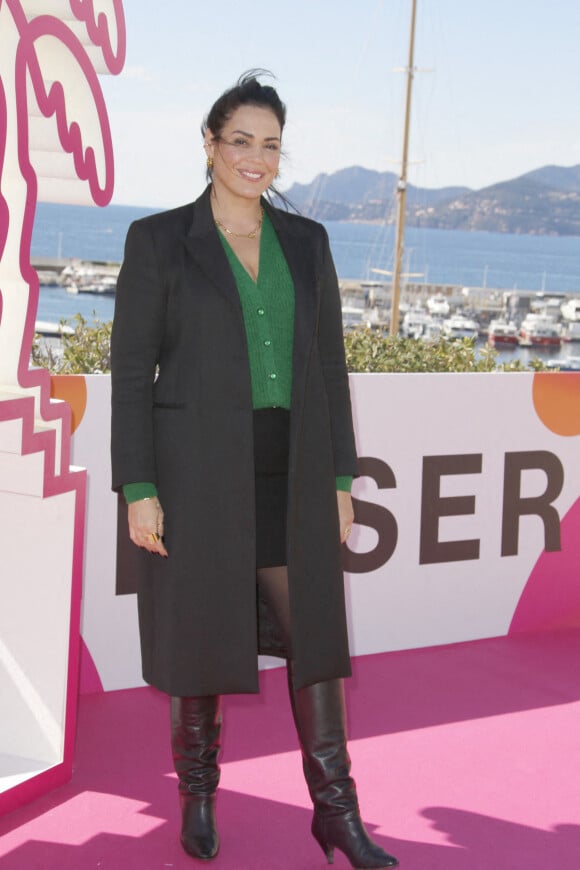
[467, 757]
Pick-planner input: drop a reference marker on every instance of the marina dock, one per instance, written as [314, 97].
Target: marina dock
[370, 302]
[504, 317]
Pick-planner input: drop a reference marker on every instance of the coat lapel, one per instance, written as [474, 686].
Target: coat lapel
[205, 248]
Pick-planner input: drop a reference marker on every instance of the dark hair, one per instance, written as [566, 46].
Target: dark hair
[247, 91]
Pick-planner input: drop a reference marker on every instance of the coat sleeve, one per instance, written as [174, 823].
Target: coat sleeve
[332, 356]
[136, 339]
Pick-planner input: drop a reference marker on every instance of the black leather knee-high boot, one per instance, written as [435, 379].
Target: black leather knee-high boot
[320, 716]
[195, 742]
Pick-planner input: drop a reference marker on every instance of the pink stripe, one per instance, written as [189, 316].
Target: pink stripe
[551, 598]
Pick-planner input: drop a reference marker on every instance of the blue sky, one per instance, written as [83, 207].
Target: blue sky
[499, 96]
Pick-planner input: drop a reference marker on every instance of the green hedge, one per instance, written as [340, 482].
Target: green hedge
[88, 350]
[369, 350]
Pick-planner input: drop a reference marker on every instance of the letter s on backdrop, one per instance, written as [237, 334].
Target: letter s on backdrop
[375, 517]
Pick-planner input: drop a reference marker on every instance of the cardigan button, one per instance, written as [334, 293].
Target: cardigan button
[261, 311]
[267, 343]
[273, 376]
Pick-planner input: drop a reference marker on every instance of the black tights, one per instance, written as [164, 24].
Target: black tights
[273, 586]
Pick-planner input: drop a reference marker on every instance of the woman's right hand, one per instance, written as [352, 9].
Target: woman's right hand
[146, 525]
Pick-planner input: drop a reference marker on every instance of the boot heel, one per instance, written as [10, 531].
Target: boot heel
[348, 834]
[321, 840]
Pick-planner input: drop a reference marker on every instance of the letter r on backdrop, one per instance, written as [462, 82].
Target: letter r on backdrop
[516, 506]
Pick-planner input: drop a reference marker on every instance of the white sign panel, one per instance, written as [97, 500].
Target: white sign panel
[466, 515]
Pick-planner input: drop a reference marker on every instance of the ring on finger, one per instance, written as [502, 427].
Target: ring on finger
[153, 537]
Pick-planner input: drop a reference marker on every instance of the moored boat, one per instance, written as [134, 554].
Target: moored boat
[570, 310]
[52, 330]
[459, 326]
[90, 278]
[415, 322]
[101, 285]
[537, 329]
[566, 364]
[503, 332]
[571, 330]
[438, 305]
[433, 330]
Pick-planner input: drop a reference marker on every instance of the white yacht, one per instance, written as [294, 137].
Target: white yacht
[415, 322]
[571, 310]
[540, 330]
[566, 364]
[571, 330]
[460, 326]
[502, 332]
[438, 305]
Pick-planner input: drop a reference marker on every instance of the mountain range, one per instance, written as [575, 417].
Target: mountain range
[545, 201]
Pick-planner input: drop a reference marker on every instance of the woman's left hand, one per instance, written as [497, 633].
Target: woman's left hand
[345, 514]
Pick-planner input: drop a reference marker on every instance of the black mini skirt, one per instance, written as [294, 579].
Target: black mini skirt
[271, 443]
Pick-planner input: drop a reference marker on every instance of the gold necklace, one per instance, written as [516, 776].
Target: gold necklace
[251, 235]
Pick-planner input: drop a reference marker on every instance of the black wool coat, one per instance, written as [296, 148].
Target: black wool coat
[190, 431]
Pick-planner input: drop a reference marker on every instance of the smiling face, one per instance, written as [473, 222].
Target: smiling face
[246, 154]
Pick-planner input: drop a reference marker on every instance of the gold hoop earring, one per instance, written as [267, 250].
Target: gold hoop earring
[209, 163]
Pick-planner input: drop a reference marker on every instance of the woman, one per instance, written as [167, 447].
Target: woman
[232, 441]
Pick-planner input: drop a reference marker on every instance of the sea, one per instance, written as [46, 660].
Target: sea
[499, 261]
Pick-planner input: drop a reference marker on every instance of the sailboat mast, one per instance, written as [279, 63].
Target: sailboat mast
[402, 186]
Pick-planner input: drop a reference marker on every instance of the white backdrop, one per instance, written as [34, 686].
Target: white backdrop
[425, 438]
